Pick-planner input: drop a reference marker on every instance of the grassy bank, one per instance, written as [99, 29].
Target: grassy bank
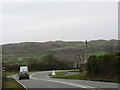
[83, 76]
[11, 83]
[74, 71]
[11, 73]
[77, 76]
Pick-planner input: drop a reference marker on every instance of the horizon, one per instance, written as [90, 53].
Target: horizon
[56, 41]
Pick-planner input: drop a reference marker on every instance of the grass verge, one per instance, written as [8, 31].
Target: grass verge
[83, 76]
[74, 71]
[11, 83]
[11, 73]
[58, 73]
[77, 76]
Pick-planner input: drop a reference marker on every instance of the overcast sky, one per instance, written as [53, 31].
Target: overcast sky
[50, 21]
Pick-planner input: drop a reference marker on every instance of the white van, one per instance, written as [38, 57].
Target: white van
[23, 72]
[23, 69]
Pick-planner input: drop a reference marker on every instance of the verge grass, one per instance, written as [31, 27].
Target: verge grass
[58, 73]
[11, 83]
[83, 76]
[11, 73]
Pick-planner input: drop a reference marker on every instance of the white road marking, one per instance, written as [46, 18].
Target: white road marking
[20, 83]
[72, 84]
[47, 76]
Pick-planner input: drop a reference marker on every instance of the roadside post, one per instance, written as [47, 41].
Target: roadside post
[53, 72]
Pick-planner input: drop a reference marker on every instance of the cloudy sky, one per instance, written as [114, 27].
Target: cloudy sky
[50, 21]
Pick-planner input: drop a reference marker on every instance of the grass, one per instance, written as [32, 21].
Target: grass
[58, 73]
[83, 76]
[13, 61]
[11, 58]
[77, 76]
[74, 71]
[18, 63]
[98, 53]
[11, 83]
[68, 47]
[11, 73]
[38, 56]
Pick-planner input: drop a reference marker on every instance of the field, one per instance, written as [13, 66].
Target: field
[98, 53]
[14, 59]
[21, 53]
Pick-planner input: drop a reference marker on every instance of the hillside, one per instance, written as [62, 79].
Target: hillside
[66, 51]
[26, 48]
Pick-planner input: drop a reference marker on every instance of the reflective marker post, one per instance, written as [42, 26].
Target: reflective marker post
[53, 73]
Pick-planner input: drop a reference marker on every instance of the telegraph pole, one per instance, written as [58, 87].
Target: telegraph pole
[86, 50]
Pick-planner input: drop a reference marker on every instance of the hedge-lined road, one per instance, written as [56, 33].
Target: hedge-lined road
[41, 80]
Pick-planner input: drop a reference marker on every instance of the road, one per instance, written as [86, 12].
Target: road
[41, 80]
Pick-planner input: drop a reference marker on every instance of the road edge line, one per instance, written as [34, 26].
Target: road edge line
[20, 83]
[71, 84]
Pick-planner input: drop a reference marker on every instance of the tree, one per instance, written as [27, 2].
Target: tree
[50, 60]
[92, 66]
[104, 66]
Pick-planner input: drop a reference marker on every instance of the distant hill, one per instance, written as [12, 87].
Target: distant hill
[60, 47]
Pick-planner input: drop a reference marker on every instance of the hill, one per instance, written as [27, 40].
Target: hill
[66, 51]
[26, 48]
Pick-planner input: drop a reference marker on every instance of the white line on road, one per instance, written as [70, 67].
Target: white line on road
[20, 83]
[72, 84]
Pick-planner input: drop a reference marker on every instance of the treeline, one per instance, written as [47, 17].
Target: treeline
[48, 62]
[13, 68]
[106, 66]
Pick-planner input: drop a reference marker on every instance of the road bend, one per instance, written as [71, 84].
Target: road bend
[41, 80]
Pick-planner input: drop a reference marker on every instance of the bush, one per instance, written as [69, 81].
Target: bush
[104, 66]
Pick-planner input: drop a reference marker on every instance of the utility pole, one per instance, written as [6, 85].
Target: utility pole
[86, 50]
[83, 60]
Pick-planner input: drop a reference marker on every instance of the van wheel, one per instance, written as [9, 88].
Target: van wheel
[28, 78]
[19, 78]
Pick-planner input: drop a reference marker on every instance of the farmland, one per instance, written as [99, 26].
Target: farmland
[21, 53]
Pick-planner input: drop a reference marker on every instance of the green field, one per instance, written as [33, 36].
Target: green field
[12, 59]
[69, 47]
[37, 56]
[11, 83]
[98, 53]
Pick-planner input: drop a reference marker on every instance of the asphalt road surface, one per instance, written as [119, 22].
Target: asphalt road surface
[40, 80]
